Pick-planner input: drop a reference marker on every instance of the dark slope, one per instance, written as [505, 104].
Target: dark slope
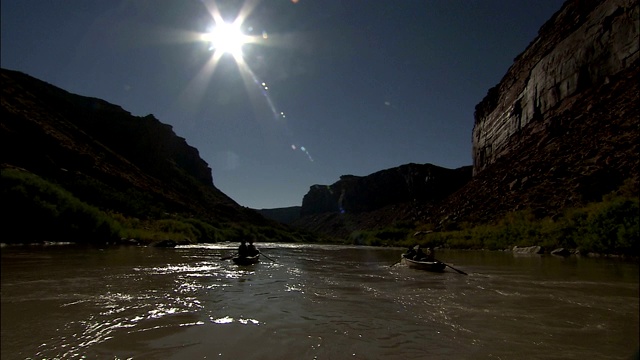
[136, 166]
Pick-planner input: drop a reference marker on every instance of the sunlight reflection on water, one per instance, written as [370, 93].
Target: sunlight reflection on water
[228, 320]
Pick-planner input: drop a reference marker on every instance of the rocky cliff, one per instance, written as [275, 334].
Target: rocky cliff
[560, 130]
[583, 46]
[580, 152]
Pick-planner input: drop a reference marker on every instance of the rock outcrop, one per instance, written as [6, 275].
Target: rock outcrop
[583, 46]
[528, 250]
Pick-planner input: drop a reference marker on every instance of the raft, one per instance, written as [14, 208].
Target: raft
[435, 266]
[247, 260]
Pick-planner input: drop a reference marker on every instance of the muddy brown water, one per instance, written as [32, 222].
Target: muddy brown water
[313, 302]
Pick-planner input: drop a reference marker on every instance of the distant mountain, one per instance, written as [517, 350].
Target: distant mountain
[285, 215]
[406, 183]
[395, 195]
[104, 156]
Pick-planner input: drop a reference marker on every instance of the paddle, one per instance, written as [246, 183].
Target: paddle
[459, 271]
[227, 257]
[397, 262]
[265, 255]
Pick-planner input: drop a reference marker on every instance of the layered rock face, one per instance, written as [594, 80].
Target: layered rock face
[582, 46]
[406, 183]
[591, 151]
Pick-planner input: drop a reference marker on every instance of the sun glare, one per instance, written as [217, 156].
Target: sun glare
[227, 39]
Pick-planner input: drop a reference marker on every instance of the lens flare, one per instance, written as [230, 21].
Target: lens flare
[228, 38]
[303, 149]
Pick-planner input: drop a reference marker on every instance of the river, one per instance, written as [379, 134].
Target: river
[312, 302]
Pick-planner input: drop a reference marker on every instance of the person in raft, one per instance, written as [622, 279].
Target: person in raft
[411, 253]
[252, 249]
[418, 255]
[430, 254]
[243, 249]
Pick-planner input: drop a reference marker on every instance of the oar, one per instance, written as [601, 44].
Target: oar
[227, 257]
[265, 255]
[397, 262]
[459, 271]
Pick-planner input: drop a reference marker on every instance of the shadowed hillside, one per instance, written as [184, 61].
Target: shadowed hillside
[106, 158]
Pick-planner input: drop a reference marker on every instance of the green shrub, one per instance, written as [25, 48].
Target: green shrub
[206, 232]
[610, 227]
[613, 228]
[35, 210]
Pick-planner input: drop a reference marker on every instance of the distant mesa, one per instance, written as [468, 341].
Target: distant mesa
[407, 183]
[286, 215]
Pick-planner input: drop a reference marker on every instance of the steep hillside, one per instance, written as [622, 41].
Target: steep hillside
[104, 156]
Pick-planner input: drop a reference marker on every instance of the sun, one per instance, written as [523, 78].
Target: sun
[226, 39]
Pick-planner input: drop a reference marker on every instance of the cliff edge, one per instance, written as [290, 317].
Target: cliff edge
[583, 46]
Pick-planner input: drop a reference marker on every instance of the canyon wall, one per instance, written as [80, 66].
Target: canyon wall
[559, 131]
[582, 46]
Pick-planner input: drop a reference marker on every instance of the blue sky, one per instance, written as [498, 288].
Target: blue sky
[363, 85]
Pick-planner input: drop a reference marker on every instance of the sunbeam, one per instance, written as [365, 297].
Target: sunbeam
[228, 38]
